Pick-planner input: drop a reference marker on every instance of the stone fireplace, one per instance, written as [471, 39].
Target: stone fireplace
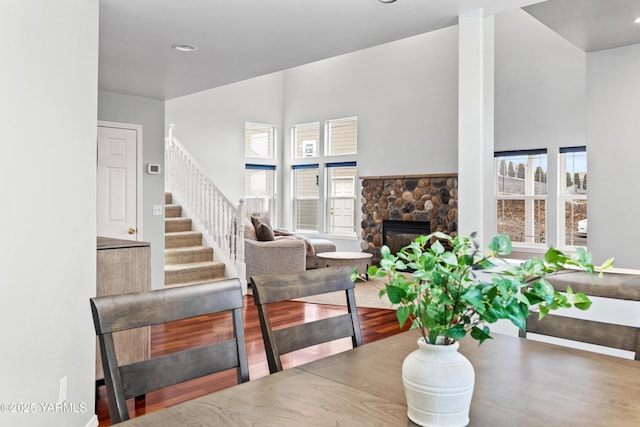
[428, 201]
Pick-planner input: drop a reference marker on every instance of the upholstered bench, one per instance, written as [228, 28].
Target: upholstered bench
[319, 245]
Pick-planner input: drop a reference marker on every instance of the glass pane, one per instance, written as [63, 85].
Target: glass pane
[305, 140]
[523, 221]
[258, 182]
[576, 173]
[259, 192]
[511, 175]
[258, 140]
[521, 175]
[342, 200]
[341, 216]
[306, 193]
[538, 167]
[575, 211]
[307, 214]
[306, 181]
[259, 206]
[342, 136]
[342, 181]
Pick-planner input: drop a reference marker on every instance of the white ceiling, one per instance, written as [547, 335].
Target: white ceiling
[241, 39]
[591, 25]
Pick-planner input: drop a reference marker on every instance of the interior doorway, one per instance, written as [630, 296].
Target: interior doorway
[118, 181]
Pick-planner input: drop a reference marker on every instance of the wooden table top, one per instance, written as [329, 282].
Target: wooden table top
[518, 383]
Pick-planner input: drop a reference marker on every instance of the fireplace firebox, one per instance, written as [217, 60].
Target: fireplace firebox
[398, 234]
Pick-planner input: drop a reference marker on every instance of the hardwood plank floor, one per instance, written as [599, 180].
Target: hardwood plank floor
[375, 324]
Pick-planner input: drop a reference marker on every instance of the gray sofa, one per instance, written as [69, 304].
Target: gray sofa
[285, 254]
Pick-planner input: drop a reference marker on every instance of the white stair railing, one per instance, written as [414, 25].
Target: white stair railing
[212, 213]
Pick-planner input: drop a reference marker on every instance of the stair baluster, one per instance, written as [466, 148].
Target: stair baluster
[211, 210]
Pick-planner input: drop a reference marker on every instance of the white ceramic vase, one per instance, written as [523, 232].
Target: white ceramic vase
[438, 383]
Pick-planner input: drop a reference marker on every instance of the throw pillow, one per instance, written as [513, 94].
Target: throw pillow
[263, 229]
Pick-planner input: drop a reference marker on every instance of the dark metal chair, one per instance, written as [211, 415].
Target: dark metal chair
[274, 288]
[127, 311]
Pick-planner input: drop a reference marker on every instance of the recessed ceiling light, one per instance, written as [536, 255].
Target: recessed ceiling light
[637, 20]
[184, 47]
[387, 1]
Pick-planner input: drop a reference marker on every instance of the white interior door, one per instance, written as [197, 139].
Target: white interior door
[117, 174]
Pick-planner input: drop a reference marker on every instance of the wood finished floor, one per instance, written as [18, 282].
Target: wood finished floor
[375, 324]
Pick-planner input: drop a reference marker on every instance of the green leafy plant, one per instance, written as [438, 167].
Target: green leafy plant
[439, 292]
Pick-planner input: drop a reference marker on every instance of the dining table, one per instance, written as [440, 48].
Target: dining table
[518, 382]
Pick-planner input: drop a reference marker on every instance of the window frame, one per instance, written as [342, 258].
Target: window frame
[564, 197]
[294, 142]
[329, 197]
[328, 136]
[321, 160]
[529, 197]
[271, 150]
[271, 197]
[295, 198]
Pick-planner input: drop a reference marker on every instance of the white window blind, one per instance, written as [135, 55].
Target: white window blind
[341, 136]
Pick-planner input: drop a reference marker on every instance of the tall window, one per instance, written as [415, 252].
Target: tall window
[307, 195]
[324, 177]
[521, 194]
[306, 140]
[259, 174]
[573, 179]
[259, 184]
[341, 198]
[259, 140]
[341, 136]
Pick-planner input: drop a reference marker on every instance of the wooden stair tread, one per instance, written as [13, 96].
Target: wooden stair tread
[192, 265]
[187, 249]
[187, 260]
[182, 233]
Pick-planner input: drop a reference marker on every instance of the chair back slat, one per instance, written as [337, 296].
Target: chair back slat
[283, 287]
[612, 285]
[588, 331]
[127, 311]
[269, 289]
[616, 286]
[174, 368]
[312, 333]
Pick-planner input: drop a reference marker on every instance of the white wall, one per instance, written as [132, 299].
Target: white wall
[149, 113]
[48, 83]
[540, 99]
[613, 108]
[211, 125]
[404, 95]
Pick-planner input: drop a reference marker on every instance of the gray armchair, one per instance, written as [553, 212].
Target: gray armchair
[272, 257]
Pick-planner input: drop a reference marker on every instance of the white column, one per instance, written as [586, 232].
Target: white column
[476, 206]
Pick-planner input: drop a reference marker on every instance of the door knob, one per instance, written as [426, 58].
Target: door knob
[132, 231]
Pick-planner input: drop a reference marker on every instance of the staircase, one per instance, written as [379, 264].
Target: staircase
[186, 261]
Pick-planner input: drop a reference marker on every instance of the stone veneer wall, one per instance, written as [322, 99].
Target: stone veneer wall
[432, 198]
